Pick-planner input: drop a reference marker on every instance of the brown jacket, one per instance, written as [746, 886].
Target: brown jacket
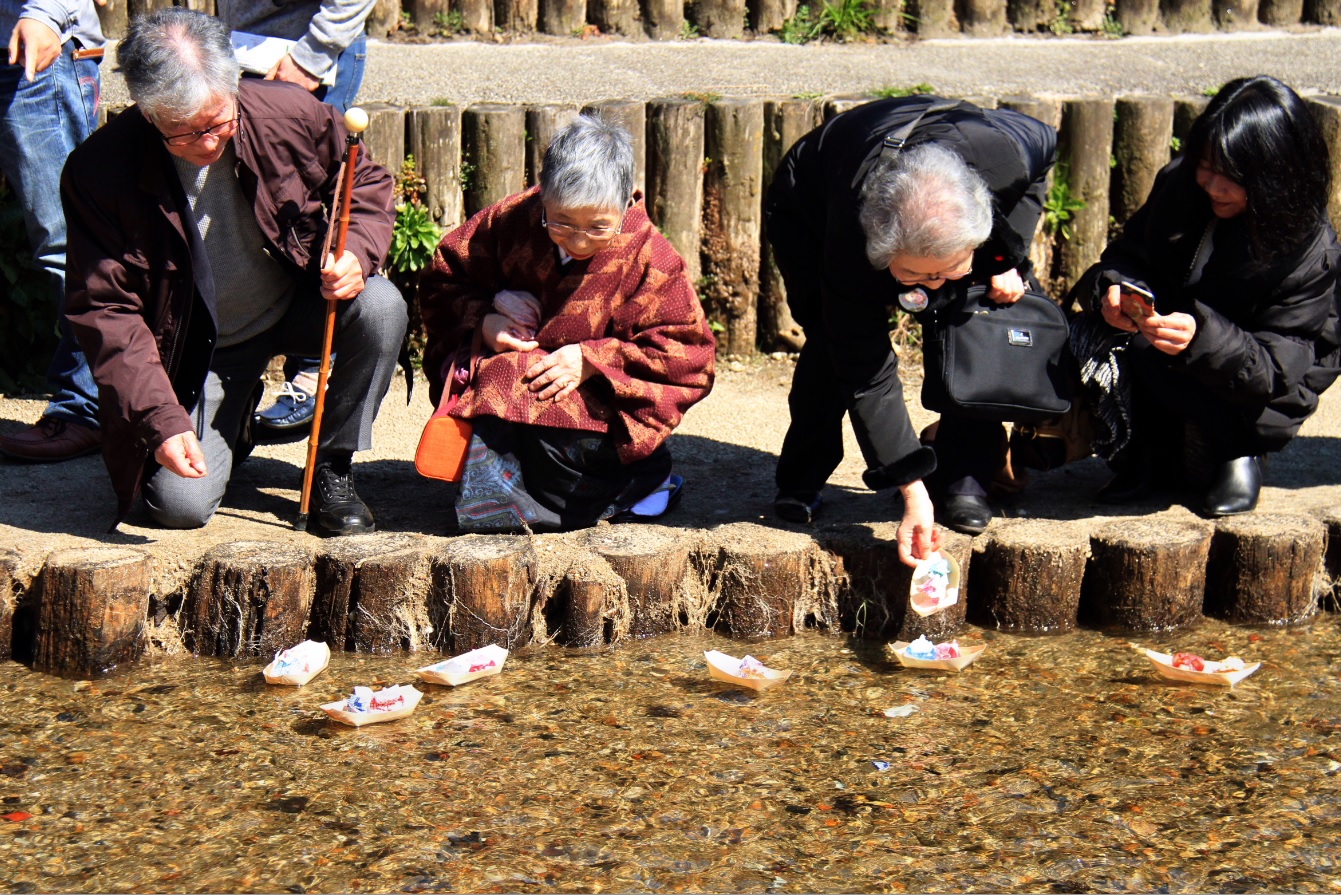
[138, 291]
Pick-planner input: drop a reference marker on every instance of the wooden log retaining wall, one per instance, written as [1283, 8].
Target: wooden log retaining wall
[91, 609]
[675, 19]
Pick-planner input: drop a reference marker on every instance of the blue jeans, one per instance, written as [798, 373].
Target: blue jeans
[40, 123]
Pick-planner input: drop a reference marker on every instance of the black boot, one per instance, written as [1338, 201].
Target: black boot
[800, 507]
[967, 513]
[1235, 488]
[337, 507]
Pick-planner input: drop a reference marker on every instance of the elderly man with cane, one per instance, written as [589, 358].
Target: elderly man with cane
[200, 258]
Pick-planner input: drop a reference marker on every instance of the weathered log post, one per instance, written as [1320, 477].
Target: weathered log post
[481, 592]
[1031, 16]
[9, 598]
[1279, 13]
[542, 123]
[434, 134]
[675, 174]
[1141, 138]
[983, 18]
[518, 16]
[768, 581]
[654, 564]
[563, 17]
[1028, 576]
[936, 18]
[1187, 16]
[1139, 17]
[1147, 574]
[389, 611]
[1086, 145]
[424, 15]
[663, 19]
[1324, 12]
[837, 105]
[383, 21]
[732, 207]
[768, 15]
[632, 115]
[597, 604]
[1330, 517]
[1236, 15]
[249, 598]
[494, 145]
[338, 585]
[91, 611]
[615, 16]
[385, 136]
[114, 17]
[887, 15]
[477, 16]
[1327, 113]
[1088, 15]
[875, 585]
[1264, 569]
[1185, 112]
[1041, 250]
[785, 122]
[721, 19]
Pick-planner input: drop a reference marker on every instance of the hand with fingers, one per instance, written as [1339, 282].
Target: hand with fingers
[558, 374]
[181, 454]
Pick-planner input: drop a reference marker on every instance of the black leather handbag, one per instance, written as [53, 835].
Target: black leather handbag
[998, 362]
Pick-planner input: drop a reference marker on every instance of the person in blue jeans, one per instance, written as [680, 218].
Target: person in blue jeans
[327, 33]
[48, 105]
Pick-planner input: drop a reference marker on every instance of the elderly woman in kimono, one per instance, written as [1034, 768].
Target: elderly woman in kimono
[593, 344]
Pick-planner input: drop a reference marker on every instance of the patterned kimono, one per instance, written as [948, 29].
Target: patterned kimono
[547, 465]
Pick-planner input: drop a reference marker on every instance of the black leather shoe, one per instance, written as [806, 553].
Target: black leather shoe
[338, 508]
[1129, 485]
[800, 507]
[966, 513]
[1235, 489]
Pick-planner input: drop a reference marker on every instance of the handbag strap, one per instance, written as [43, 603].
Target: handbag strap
[897, 139]
[450, 390]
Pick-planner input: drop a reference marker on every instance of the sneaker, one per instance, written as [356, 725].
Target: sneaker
[51, 440]
[661, 501]
[336, 505]
[293, 409]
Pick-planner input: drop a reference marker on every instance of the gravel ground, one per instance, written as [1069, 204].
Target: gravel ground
[571, 71]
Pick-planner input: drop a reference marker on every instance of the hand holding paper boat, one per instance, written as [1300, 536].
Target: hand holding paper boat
[1193, 669]
[935, 584]
[747, 672]
[297, 665]
[466, 667]
[369, 706]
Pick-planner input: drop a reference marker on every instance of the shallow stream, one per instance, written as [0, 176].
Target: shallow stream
[1053, 764]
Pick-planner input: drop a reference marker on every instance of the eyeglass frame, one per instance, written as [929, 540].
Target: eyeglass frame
[566, 230]
[212, 131]
[923, 279]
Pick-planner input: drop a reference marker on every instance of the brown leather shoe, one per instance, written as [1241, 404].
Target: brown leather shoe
[51, 440]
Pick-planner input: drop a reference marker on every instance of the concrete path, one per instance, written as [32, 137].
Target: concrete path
[571, 71]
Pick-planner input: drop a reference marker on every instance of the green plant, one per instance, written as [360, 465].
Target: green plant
[1061, 22]
[896, 92]
[446, 24]
[1061, 206]
[808, 95]
[1175, 144]
[27, 304]
[416, 235]
[716, 326]
[1210, 91]
[847, 19]
[705, 99]
[466, 176]
[1111, 27]
[688, 30]
[800, 28]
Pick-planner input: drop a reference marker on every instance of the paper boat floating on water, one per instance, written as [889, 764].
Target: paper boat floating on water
[297, 665]
[935, 584]
[968, 654]
[1220, 674]
[388, 704]
[466, 667]
[747, 672]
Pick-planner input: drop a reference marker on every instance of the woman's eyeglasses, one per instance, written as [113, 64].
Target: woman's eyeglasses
[595, 234]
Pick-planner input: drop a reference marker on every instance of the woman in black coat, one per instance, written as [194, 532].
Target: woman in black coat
[1235, 247]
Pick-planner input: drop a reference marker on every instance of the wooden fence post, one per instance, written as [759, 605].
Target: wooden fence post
[632, 114]
[983, 18]
[563, 17]
[889, 16]
[477, 16]
[9, 598]
[1187, 16]
[785, 122]
[1086, 146]
[114, 17]
[1327, 113]
[1265, 569]
[482, 592]
[384, 19]
[663, 19]
[936, 18]
[675, 174]
[390, 611]
[766, 581]
[1139, 17]
[249, 598]
[517, 16]
[1324, 12]
[494, 144]
[92, 610]
[1032, 16]
[434, 134]
[384, 139]
[654, 566]
[542, 123]
[1042, 249]
[732, 196]
[424, 13]
[721, 19]
[336, 598]
[1141, 138]
[1236, 15]
[614, 16]
[1027, 578]
[768, 15]
[1147, 574]
[1279, 13]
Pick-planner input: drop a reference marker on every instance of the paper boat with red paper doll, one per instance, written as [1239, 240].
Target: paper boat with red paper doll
[948, 656]
[1193, 669]
[466, 667]
[297, 665]
[368, 706]
[935, 584]
[748, 672]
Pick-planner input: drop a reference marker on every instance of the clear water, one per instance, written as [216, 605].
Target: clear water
[1053, 764]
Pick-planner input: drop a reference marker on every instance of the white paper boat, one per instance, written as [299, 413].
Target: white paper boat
[925, 604]
[728, 669]
[339, 711]
[1213, 675]
[304, 662]
[466, 667]
[968, 654]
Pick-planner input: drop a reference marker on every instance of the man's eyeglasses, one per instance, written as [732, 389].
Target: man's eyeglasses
[595, 234]
[220, 130]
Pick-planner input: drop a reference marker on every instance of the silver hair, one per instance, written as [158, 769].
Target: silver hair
[925, 202]
[589, 164]
[176, 62]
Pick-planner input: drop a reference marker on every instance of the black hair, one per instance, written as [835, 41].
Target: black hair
[1259, 133]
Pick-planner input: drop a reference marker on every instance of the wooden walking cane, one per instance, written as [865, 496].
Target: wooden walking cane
[356, 121]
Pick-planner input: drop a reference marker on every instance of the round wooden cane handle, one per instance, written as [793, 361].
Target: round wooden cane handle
[356, 120]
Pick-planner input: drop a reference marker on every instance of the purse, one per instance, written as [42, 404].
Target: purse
[446, 439]
[988, 361]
